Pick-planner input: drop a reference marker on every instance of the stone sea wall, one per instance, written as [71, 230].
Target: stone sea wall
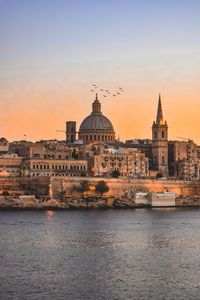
[126, 187]
[61, 193]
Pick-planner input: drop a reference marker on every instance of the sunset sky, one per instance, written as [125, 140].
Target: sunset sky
[52, 51]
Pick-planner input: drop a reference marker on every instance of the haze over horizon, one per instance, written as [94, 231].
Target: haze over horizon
[53, 51]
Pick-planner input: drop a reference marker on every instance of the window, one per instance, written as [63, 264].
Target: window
[163, 134]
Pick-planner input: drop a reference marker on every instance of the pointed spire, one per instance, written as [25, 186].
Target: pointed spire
[159, 119]
[96, 105]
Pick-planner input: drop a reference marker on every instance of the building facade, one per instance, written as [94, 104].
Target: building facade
[127, 162]
[183, 159]
[10, 165]
[54, 167]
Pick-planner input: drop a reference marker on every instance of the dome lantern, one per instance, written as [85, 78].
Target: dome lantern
[96, 105]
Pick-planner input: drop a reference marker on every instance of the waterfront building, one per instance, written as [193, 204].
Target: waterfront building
[125, 161]
[183, 159]
[49, 158]
[54, 167]
[10, 165]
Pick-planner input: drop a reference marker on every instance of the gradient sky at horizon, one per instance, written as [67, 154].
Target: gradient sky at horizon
[51, 52]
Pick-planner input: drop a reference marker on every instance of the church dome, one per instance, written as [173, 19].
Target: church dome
[96, 124]
[96, 121]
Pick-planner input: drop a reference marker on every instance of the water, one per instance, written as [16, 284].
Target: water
[108, 254]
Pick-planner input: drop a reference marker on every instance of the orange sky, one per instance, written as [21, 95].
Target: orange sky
[38, 113]
[53, 51]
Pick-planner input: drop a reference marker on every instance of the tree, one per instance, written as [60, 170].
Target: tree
[102, 187]
[159, 175]
[83, 187]
[115, 174]
[5, 193]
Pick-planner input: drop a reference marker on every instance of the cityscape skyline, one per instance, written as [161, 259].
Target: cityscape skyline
[48, 65]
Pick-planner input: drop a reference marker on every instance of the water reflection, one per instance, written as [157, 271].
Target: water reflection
[50, 213]
[130, 254]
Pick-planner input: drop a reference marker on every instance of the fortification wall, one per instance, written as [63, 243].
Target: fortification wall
[125, 187]
[117, 187]
[24, 185]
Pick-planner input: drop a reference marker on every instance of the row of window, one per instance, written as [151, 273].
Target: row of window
[54, 174]
[59, 167]
[97, 137]
[50, 156]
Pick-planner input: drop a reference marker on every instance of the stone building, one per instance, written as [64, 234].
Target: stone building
[4, 145]
[54, 167]
[160, 142]
[187, 169]
[49, 158]
[10, 165]
[183, 159]
[103, 161]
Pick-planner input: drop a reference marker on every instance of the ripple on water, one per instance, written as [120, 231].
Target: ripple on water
[118, 254]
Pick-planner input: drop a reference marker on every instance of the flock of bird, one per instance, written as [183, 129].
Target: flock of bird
[105, 92]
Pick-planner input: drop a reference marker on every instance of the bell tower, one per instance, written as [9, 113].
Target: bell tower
[70, 132]
[160, 142]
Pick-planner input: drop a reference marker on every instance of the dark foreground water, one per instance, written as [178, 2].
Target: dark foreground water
[113, 254]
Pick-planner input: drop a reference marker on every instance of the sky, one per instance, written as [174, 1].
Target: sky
[52, 51]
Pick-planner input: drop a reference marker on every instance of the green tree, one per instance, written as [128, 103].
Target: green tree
[102, 187]
[159, 175]
[83, 187]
